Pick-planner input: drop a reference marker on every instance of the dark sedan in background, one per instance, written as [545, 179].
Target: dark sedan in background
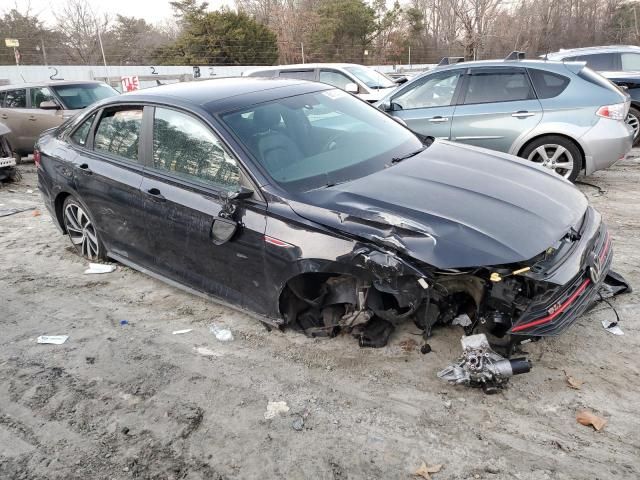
[309, 207]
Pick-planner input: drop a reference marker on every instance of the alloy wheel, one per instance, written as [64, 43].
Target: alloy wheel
[554, 157]
[81, 231]
[634, 122]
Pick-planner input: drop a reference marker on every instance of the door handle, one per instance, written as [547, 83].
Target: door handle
[522, 114]
[85, 168]
[155, 193]
[438, 119]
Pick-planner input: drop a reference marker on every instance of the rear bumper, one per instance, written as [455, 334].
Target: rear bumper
[558, 310]
[605, 143]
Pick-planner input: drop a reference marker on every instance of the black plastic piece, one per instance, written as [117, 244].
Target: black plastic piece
[376, 333]
[520, 365]
[450, 61]
[516, 55]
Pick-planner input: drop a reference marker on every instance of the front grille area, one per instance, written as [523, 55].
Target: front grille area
[552, 318]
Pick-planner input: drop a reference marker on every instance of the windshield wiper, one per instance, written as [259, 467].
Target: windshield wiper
[408, 155]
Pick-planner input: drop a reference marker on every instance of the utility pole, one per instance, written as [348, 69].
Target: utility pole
[409, 57]
[302, 50]
[104, 60]
[44, 52]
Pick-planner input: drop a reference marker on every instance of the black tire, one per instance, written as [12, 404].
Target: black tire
[81, 230]
[570, 155]
[633, 120]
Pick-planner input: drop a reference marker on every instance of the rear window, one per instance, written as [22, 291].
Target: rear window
[15, 99]
[597, 79]
[598, 61]
[547, 84]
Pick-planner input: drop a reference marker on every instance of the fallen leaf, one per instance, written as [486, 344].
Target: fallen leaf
[573, 382]
[408, 345]
[588, 418]
[36, 213]
[425, 470]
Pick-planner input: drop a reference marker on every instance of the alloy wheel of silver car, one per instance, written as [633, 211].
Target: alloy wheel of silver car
[554, 157]
[634, 122]
[81, 231]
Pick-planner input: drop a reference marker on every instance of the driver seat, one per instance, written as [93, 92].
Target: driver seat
[276, 149]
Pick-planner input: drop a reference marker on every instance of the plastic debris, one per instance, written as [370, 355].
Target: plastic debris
[221, 332]
[124, 322]
[612, 327]
[587, 418]
[180, 332]
[5, 212]
[52, 339]
[206, 352]
[425, 470]
[99, 268]
[275, 408]
[298, 423]
[462, 320]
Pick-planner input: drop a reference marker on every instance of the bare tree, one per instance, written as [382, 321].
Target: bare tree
[80, 25]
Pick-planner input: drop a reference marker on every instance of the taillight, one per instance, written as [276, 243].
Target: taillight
[614, 112]
[36, 158]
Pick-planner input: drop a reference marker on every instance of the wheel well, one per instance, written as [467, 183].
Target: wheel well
[59, 202]
[529, 142]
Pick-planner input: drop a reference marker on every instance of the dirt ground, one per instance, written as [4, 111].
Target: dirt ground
[136, 401]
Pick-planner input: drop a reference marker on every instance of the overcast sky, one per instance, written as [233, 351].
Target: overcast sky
[151, 10]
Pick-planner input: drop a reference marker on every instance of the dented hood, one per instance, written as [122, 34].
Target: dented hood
[453, 206]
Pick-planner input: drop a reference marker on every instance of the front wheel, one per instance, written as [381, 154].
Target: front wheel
[633, 120]
[555, 153]
[81, 230]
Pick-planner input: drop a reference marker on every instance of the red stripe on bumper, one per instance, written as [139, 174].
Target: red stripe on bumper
[562, 308]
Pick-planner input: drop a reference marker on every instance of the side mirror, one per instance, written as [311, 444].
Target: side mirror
[240, 194]
[351, 87]
[222, 230]
[385, 107]
[49, 105]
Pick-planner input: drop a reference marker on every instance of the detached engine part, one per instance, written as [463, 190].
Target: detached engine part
[480, 366]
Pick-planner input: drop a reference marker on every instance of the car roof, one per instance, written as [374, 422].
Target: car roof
[573, 52]
[298, 66]
[221, 94]
[534, 63]
[49, 83]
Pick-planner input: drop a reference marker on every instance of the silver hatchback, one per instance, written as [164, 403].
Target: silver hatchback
[562, 116]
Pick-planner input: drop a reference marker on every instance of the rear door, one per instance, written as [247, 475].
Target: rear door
[13, 114]
[498, 105]
[108, 174]
[189, 174]
[428, 104]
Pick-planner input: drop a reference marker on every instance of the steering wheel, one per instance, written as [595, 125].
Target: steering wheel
[332, 142]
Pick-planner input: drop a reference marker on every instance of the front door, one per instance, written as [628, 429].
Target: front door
[427, 106]
[497, 106]
[186, 187]
[108, 174]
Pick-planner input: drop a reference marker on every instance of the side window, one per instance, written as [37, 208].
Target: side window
[503, 85]
[185, 146]
[79, 137]
[298, 74]
[334, 78]
[434, 91]
[39, 95]
[600, 61]
[547, 84]
[118, 132]
[630, 62]
[2, 95]
[15, 99]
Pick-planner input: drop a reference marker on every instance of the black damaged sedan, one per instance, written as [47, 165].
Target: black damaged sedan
[310, 208]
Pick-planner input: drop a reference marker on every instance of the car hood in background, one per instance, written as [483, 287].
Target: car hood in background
[453, 206]
[376, 95]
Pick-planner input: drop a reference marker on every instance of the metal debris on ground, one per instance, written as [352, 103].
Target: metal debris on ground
[5, 212]
[99, 268]
[480, 366]
[180, 332]
[52, 339]
[425, 470]
[462, 320]
[587, 418]
[275, 408]
[221, 332]
[298, 423]
[612, 327]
